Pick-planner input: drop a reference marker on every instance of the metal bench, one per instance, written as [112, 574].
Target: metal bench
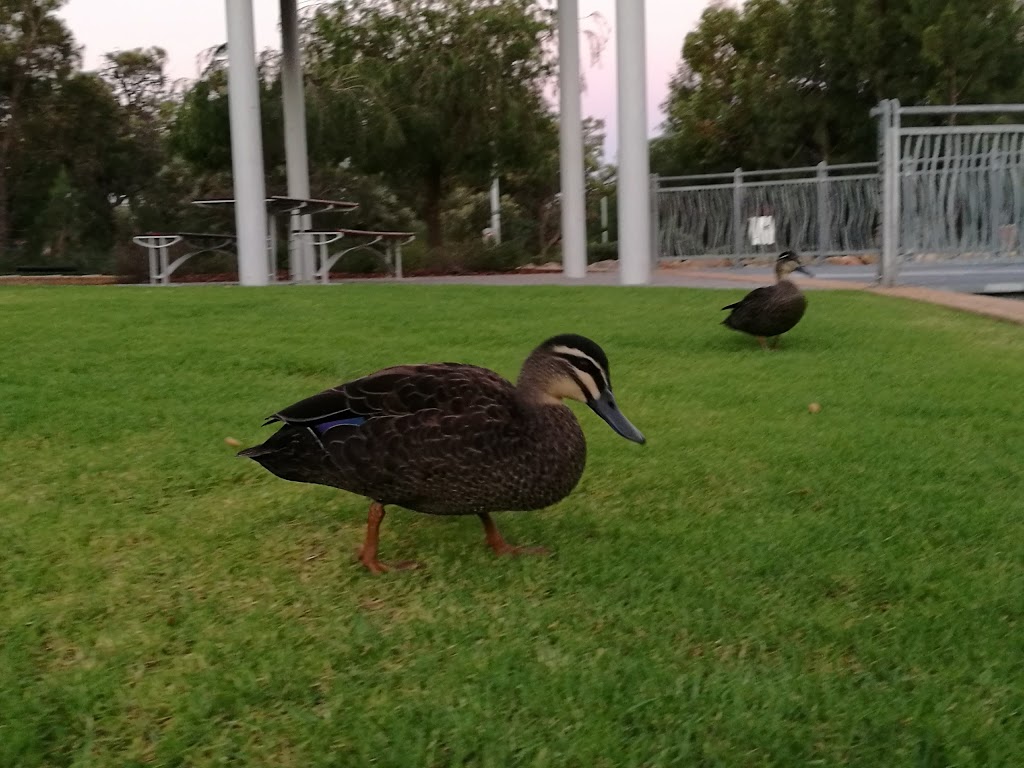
[300, 209]
[158, 245]
[390, 249]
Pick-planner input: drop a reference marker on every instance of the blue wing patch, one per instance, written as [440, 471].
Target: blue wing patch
[355, 421]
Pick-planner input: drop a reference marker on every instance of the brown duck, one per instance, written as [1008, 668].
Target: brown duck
[448, 438]
[769, 312]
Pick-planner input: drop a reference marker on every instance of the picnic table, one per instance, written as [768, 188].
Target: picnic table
[388, 245]
[159, 244]
[278, 205]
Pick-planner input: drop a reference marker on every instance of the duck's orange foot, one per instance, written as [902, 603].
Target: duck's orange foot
[501, 547]
[367, 554]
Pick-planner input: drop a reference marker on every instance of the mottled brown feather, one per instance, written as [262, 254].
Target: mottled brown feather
[445, 439]
[769, 311]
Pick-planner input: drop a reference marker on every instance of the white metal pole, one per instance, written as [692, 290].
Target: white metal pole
[888, 264]
[246, 145]
[634, 164]
[574, 222]
[496, 210]
[300, 249]
[604, 219]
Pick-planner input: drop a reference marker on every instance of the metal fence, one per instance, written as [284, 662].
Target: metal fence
[821, 210]
[950, 192]
[939, 192]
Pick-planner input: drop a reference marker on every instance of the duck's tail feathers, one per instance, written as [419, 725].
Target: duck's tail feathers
[256, 450]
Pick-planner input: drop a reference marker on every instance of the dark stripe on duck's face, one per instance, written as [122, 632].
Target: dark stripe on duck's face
[588, 367]
[583, 388]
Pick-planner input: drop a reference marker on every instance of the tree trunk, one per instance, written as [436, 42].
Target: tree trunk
[432, 210]
[4, 223]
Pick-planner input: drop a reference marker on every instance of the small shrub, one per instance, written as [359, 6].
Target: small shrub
[131, 263]
[474, 256]
[498, 258]
[362, 261]
[602, 252]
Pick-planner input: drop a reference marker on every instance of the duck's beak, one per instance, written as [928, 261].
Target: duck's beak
[606, 407]
[805, 270]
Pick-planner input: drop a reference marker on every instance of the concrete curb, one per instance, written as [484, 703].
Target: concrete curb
[1010, 310]
[803, 282]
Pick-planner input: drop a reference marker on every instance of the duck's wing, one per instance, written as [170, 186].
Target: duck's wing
[403, 390]
[402, 434]
[756, 297]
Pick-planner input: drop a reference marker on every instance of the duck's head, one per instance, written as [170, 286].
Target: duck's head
[571, 367]
[789, 262]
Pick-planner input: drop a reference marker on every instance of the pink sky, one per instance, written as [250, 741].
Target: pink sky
[186, 27]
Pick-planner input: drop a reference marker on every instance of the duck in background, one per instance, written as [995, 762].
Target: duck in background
[771, 311]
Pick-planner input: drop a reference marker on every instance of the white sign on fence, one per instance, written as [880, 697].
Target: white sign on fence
[761, 230]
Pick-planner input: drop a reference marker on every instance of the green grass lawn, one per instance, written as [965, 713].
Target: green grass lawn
[755, 586]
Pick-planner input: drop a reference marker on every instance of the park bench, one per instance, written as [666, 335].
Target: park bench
[159, 244]
[387, 245]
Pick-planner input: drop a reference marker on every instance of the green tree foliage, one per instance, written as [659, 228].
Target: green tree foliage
[790, 82]
[431, 93]
[74, 145]
[200, 131]
[37, 56]
[200, 142]
[137, 80]
[412, 106]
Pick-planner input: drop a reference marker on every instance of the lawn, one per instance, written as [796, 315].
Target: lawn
[756, 586]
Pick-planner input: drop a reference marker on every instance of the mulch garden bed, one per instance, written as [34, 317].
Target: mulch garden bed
[232, 277]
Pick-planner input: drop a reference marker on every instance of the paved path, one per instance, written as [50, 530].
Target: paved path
[664, 278]
[967, 278]
[1003, 309]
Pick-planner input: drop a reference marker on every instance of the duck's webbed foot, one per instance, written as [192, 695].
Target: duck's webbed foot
[501, 547]
[368, 552]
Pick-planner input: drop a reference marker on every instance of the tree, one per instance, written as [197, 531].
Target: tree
[37, 54]
[431, 93]
[136, 80]
[200, 126]
[791, 82]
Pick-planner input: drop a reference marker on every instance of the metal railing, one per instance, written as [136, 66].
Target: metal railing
[949, 192]
[820, 210]
[938, 193]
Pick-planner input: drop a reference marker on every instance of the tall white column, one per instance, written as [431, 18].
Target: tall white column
[246, 145]
[295, 150]
[496, 209]
[634, 164]
[574, 222]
